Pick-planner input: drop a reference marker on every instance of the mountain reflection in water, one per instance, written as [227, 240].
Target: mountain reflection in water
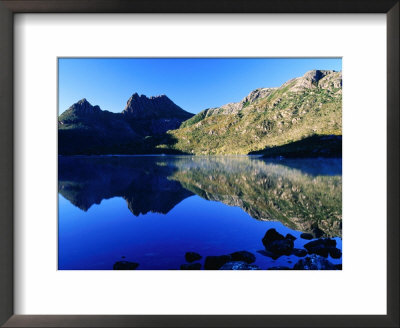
[303, 195]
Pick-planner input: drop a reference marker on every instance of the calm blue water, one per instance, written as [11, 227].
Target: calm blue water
[152, 210]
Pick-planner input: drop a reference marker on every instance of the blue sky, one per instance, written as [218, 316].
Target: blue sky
[192, 83]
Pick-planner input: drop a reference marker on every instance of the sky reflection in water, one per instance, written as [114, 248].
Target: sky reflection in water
[152, 210]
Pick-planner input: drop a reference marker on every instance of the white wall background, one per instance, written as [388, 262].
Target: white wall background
[359, 289]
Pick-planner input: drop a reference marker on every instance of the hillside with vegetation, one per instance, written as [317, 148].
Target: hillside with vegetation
[302, 107]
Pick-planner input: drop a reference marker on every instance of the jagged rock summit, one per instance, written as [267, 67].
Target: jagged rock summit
[154, 115]
[82, 112]
[86, 129]
[324, 79]
[84, 107]
[142, 107]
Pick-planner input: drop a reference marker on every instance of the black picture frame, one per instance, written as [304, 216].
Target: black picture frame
[7, 10]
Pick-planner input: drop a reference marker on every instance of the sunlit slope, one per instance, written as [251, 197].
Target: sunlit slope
[302, 107]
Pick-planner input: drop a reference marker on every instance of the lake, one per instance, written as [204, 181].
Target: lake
[152, 210]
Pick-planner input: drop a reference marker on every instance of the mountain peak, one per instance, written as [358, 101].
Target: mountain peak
[155, 107]
[315, 79]
[84, 107]
[83, 101]
[136, 96]
[315, 75]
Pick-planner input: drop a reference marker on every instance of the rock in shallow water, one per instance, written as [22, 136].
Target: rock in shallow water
[278, 245]
[192, 256]
[244, 256]
[314, 262]
[322, 247]
[192, 266]
[125, 265]
[299, 252]
[270, 236]
[216, 262]
[239, 265]
[306, 236]
[281, 247]
[335, 253]
[268, 253]
[290, 237]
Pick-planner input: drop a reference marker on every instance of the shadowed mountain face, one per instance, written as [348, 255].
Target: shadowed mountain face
[303, 200]
[154, 115]
[314, 146]
[142, 107]
[84, 129]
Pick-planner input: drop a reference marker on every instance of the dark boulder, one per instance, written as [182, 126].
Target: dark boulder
[239, 265]
[125, 265]
[191, 266]
[306, 236]
[299, 252]
[268, 254]
[314, 262]
[216, 262]
[291, 237]
[244, 256]
[335, 253]
[281, 247]
[278, 245]
[270, 236]
[320, 246]
[192, 256]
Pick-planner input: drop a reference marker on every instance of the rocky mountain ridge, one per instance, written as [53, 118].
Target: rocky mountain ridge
[234, 108]
[267, 117]
[324, 79]
[155, 107]
[83, 107]
[87, 129]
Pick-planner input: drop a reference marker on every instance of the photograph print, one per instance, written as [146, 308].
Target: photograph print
[199, 164]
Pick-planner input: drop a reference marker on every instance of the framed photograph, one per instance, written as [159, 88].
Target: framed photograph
[272, 160]
[191, 164]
